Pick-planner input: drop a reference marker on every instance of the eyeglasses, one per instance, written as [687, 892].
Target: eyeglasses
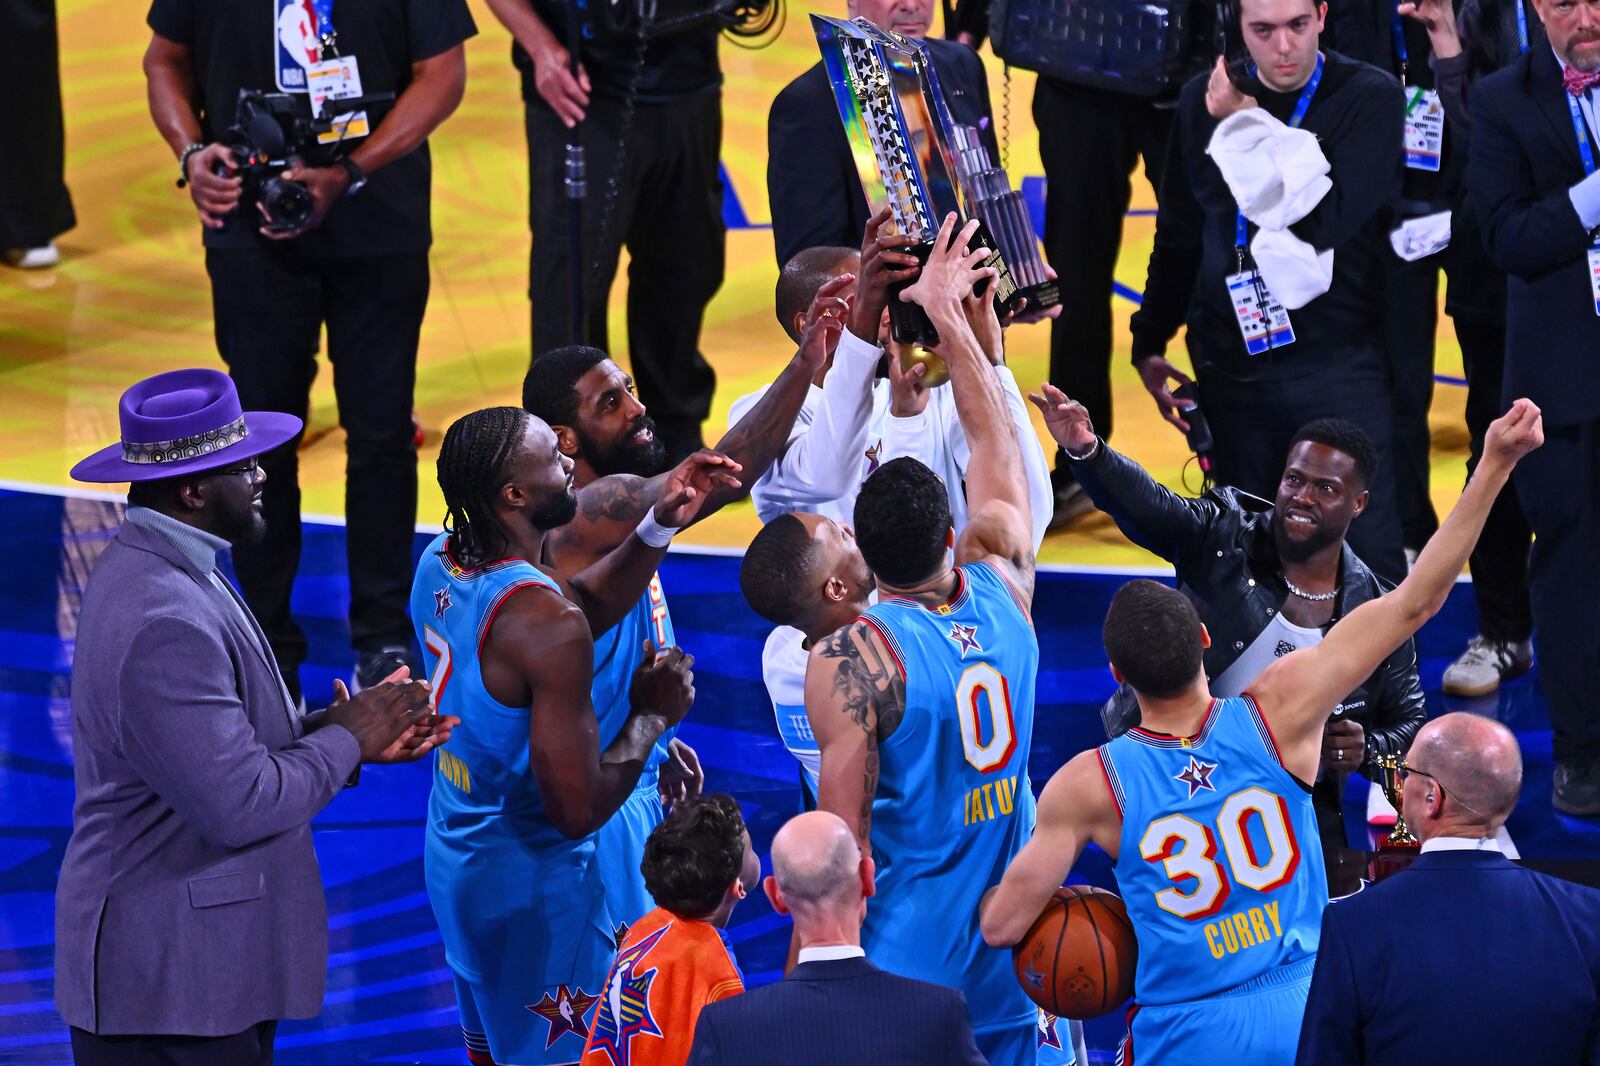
[1405, 770]
[250, 469]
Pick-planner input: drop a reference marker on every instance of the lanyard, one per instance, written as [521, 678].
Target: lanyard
[1400, 46]
[1581, 128]
[1240, 232]
[1522, 27]
[325, 31]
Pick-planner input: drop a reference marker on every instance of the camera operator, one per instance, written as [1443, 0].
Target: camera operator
[1530, 172]
[1266, 579]
[651, 108]
[1341, 121]
[358, 264]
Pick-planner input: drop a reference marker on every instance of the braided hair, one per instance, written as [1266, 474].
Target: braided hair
[472, 466]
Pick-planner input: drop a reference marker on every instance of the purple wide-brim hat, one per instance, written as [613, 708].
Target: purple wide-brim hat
[184, 422]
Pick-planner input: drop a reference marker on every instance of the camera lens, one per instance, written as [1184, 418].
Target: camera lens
[288, 203]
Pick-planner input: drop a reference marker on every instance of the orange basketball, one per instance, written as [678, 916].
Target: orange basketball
[1078, 959]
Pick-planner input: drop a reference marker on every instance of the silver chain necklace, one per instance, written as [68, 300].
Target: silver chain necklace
[1314, 597]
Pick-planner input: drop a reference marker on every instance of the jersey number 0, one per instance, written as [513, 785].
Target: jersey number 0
[983, 692]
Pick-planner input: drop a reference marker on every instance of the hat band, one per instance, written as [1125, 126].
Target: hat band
[171, 451]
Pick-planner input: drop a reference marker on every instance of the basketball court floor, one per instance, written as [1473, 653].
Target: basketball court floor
[131, 299]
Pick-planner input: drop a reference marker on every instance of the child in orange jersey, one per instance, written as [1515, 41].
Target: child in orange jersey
[698, 864]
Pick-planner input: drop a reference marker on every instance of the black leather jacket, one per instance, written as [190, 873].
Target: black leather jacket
[1222, 548]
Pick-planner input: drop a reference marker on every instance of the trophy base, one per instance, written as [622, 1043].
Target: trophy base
[909, 324]
[1040, 297]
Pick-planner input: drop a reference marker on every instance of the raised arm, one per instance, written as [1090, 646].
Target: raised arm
[607, 589]
[1299, 691]
[1074, 809]
[855, 694]
[999, 524]
[538, 653]
[1148, 513]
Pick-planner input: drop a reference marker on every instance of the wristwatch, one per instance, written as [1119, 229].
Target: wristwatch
[358, 177]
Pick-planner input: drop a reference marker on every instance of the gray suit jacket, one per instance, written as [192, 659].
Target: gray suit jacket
[189, 901]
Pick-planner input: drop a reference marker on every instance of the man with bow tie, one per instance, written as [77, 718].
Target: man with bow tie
[1531, 172]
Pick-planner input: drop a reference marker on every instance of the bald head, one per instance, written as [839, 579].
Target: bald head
[816, 862]
[1476, 761]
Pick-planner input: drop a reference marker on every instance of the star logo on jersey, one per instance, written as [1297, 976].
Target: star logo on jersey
[872, 454]
[1048, 1037]
[1283, 648]
[441, 601]
[625, 1007]
[564, 1011]
[619, 934]
[1197, 775]
[966, 637]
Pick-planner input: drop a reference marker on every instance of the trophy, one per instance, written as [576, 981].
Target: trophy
[1389, 780]
[906, 150]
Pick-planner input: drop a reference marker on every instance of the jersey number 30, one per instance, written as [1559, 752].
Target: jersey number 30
[1187, 851]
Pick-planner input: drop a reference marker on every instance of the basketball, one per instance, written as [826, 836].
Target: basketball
[1077, 960]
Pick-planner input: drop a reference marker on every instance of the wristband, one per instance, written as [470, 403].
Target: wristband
[183, 163]
[654, 533]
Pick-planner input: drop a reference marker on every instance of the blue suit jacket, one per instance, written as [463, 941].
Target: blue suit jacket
[1522, 158]
[842, 1011]
[1463, 957]
[812, 184]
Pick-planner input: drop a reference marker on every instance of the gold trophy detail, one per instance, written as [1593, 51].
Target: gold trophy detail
[1393, 788]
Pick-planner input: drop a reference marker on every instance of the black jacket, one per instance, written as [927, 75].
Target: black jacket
[812, 184]
[1522, 159]
[1221, 545]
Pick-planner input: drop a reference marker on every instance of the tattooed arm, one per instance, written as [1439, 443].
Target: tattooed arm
[855, 698]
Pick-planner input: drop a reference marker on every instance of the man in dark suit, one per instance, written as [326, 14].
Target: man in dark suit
[1400, 974]
[812, 183]
[1530, 172]
[834, 1006]
[189, 911]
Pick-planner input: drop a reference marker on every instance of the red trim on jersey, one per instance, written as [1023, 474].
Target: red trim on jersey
[1012, 587]
[1205, 724]
[1105, 775]
[499, 602]
[1262, 718]
[1125, 1053]
[888, 645]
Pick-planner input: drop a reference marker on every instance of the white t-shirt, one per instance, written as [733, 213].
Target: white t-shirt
[1274, 642]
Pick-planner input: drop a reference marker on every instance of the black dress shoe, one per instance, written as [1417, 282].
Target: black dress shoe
[1577, 789]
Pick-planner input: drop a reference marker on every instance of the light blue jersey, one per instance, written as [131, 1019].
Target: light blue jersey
[1220, 865]
[620, 845]
[520, 907]
[954, 805]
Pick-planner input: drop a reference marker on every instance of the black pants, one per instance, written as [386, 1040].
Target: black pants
[1410, 319]
[34, 203]
[1253, 422]
[253, 1047]
[1090, 140]
[1559, 486]
[1500, 561]
[667, 211]
[271, 305]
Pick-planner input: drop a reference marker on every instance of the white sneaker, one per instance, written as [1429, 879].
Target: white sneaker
[33, 258]
[1485, 664]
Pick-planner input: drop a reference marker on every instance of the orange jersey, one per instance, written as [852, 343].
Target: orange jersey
[667, 970]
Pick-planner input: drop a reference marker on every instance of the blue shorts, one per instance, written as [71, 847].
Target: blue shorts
[619, 848]
[539, 1015]
[1016, 1046]
[1256, 1023]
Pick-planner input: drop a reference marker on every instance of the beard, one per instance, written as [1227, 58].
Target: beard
[629, 454]
[242, 527]
[1298, 551]
[556, 512]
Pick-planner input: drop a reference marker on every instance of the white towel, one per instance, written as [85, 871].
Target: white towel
[1277, 174]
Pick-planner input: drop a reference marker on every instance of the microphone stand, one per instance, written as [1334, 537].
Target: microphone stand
[576, 185]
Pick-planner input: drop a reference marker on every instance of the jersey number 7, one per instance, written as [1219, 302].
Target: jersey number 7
[1187, 850]
[441, 670]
